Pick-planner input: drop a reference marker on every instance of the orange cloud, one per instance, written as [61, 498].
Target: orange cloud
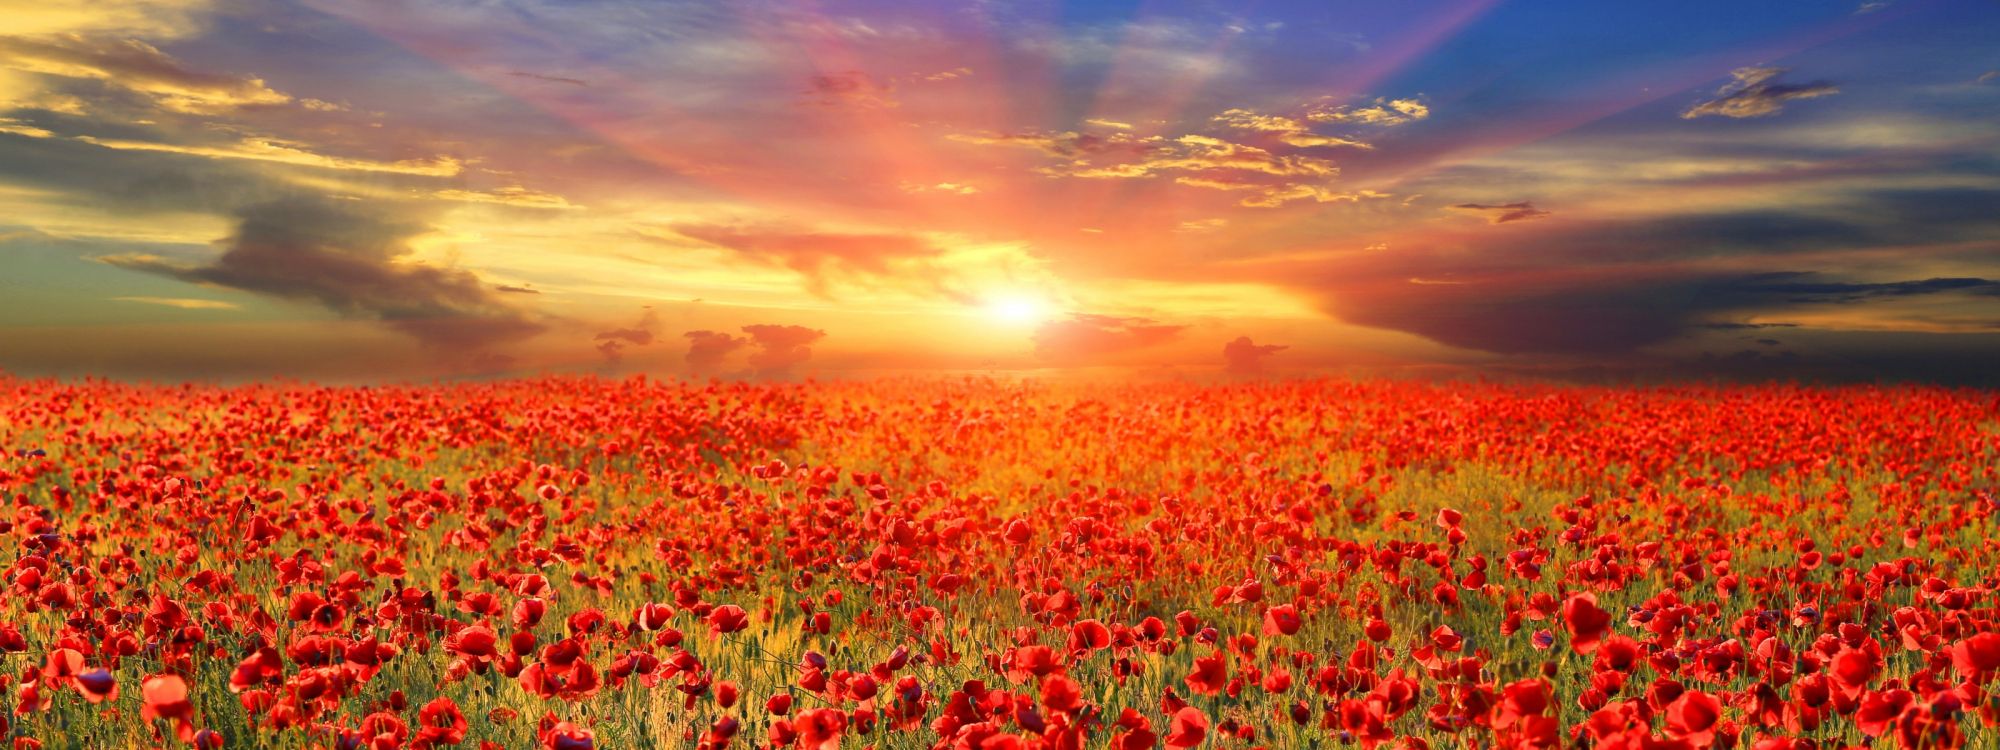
[1091, 339]
[781, 347]
[819, 257]
[1245, 357]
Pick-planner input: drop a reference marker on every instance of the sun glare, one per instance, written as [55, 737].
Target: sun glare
[1017, 309]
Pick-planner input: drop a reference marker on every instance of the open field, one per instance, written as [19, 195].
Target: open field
[577, 563]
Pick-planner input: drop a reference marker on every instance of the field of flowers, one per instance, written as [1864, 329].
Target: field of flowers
[971, 563]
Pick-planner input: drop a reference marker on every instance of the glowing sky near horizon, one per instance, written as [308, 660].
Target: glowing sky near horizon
[377, 190]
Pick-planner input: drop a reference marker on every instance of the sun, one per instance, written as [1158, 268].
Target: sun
[1015, 309]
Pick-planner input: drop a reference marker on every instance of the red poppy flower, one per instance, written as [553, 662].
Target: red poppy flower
[1521, 700]
[97, 685]
[1062, 694]
[165, 697]
[1281, 620]
[567, 736]
[820, 728]
[1693, 717]
[1209, 675]
[1187, 728]
[779, 705]
[727, 618]
[652, 617]
[1586, 623]
[441, 723]
[1977, 658]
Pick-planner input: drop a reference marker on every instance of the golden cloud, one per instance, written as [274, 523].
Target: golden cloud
[286, 152]
[1382, 112]
[138, 67]
[183, 303]
[512, 195]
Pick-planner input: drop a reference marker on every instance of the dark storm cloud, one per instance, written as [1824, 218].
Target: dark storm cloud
[352, 259]
[1612, 286]
[132, 181]
[1789, 286]
[1745, 326]
[1603, 311]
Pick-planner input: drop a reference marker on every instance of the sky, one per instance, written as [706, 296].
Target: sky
[377, 190]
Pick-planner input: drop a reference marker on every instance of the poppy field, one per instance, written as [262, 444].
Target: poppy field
[574, 563]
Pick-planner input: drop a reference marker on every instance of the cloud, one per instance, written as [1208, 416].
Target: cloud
[1104, 123]
[946, 75]
[268, 150]
[953, 188]
[1735, 326]
[1600, 311]
[707, 350]
[352, 259]
[781, 347]
[1383, 112]
[184, 303]
[612, 343]
[851, 88]
[1755, 93]
[1089, 339]
[1502, 213]
[819, 257]
[1597, 287]
[1287, 130]
[1988, 77]
[1200, 153]
[1244, 357]
[1278, 196]
[1792, 286]
[1271, 177]
[116, 17]
[1870, 7]
[135, 66]
[1121, 155]
[548, 78]
[512, 195]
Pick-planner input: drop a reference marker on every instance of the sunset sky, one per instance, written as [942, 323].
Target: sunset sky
[363, 190]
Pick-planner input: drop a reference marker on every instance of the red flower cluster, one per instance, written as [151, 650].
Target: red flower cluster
[579, 563]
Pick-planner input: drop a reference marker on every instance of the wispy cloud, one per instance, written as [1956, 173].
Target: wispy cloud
[1503, 213]
[184, 303]
[1382, 112]
[1086, 338]
[1756, 93]
[135, 66]
[512, 195]
[283, 152]
[1287, 130]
